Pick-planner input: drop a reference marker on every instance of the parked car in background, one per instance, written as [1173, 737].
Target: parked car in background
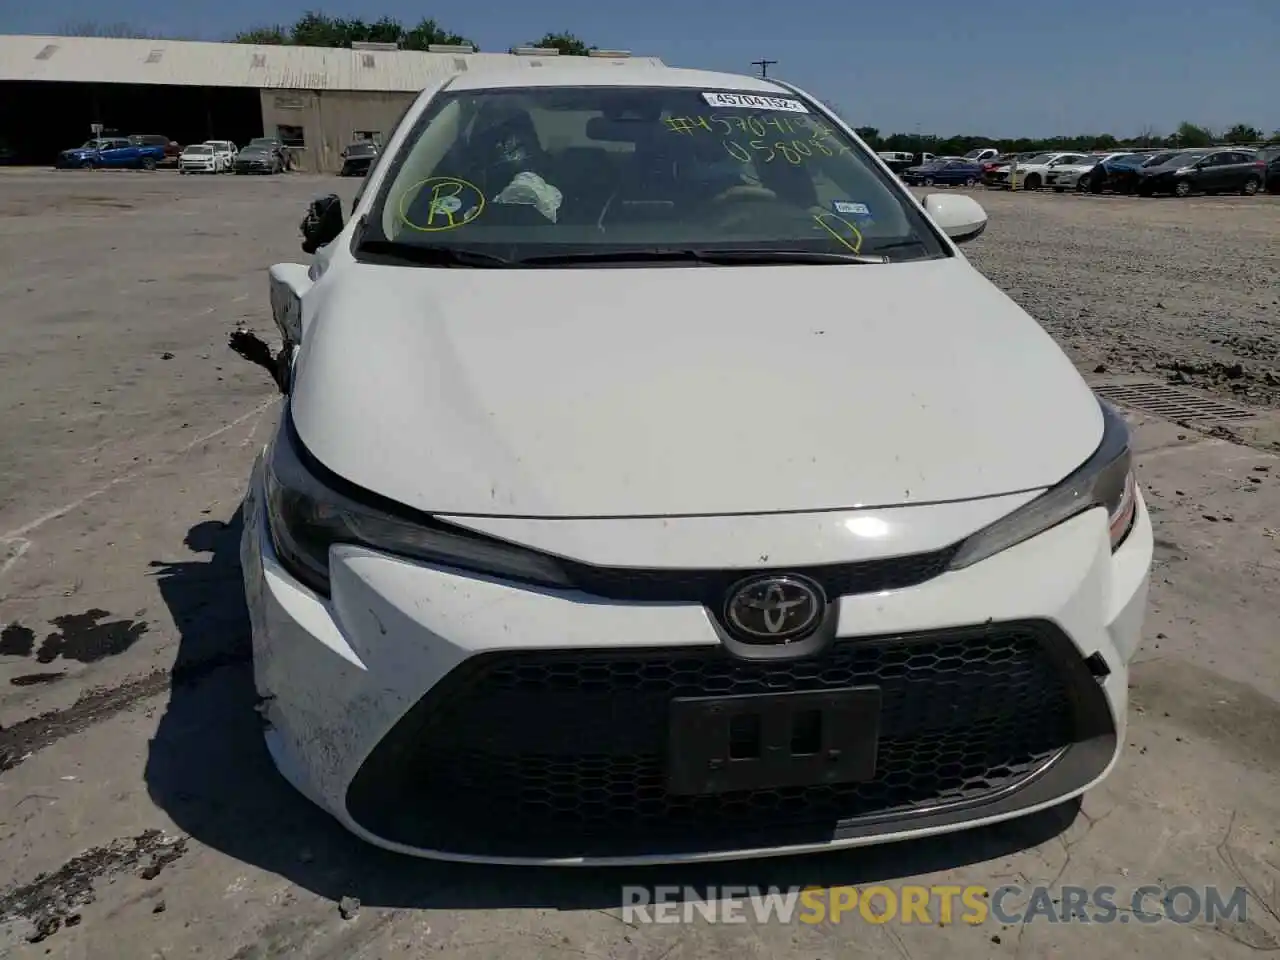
[1271, 157]
[897, 160]
[263, 155]
[199, 158]
[172, 149]
[1116, 174]
[1031, 173]
[111, 152]
[953, 172]
[1068, 176]
[357, 158]
[226, 152]
[7, 153]
[1233, 170]
[982, 155]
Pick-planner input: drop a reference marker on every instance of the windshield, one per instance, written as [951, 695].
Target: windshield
[94, 145]
[1040, 158]
[361, 149]
[262, 142]
[606, 170]
[973, 154]
[199, 150]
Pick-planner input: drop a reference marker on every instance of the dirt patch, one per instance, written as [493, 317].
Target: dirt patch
[1183, 290]
[54, 900]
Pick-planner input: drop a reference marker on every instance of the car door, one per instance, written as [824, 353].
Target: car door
[116, 153]
[1213, 172]
[1240, 167]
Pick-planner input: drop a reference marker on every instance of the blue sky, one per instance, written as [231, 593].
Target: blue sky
[994, 67]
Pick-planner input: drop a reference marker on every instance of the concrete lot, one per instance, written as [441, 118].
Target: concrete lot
[140, 817]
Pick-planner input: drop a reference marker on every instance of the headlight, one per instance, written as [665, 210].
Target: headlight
[1106, 480]
[307, 515]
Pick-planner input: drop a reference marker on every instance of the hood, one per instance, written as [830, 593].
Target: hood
[684, 390]
[251, 152]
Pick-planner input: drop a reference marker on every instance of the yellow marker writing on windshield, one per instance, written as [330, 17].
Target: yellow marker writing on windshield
[453, 203]
[821, 220]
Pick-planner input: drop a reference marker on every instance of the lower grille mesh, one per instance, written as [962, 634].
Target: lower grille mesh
[562, 753]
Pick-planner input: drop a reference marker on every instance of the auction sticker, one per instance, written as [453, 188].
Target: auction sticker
[753, 101]
[848, 208]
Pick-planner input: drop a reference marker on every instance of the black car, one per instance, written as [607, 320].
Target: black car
[1210, 170]
[263, 155]
[358, 158]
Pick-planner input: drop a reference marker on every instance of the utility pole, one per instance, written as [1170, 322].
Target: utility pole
[764, 66]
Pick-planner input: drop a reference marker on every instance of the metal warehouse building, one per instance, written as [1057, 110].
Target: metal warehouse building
[316, 99]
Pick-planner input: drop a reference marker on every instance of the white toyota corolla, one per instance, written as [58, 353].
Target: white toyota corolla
[657, 481]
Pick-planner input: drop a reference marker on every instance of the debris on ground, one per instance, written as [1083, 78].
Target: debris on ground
[54, 899]
[348, 907]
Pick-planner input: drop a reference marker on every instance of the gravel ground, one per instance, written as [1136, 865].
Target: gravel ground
[1185, 290]
[140, 816]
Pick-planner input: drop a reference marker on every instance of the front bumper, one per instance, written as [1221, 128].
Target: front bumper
[457, 717]
[199, 166]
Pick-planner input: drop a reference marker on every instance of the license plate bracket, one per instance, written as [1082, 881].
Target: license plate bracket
[772, 740]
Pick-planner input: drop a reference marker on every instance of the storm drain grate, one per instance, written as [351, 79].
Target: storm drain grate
[1169, 402]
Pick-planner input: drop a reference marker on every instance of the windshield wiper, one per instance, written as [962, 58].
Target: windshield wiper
[430, 256]
[719, 257]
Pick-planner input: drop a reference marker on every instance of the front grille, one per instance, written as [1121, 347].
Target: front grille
[562, 753]
[710, 586]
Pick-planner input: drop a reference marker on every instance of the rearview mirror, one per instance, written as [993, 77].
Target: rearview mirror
[322, 223]
[960, 217]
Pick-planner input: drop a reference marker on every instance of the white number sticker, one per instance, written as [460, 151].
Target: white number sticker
[753, 101]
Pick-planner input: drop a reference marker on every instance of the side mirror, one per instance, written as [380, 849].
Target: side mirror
[959, 216]
[322, 223]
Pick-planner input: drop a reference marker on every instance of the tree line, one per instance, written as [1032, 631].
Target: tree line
[314, 29]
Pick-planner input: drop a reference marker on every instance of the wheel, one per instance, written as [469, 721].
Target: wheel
[148, 163]
[182, 170]
[1182, 189]
[928, 181]
[87, 164]
[1032, 182]
[971, 182]
[1250, 187]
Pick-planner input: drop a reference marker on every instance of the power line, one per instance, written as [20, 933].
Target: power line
[764, 66]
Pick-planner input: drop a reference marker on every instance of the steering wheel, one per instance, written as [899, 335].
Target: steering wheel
[744, 192]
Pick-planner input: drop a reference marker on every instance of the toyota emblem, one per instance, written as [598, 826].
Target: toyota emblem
[774, 609]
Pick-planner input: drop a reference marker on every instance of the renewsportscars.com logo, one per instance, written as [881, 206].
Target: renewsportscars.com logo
[937, 904]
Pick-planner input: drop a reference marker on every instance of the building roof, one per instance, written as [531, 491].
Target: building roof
[562, 71]
[202, 64]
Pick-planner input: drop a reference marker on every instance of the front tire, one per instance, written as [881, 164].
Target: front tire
[148, 163]
[928, 181]
[1250, 187]
[1182, 189]
[971, 182]
[1032, 182]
